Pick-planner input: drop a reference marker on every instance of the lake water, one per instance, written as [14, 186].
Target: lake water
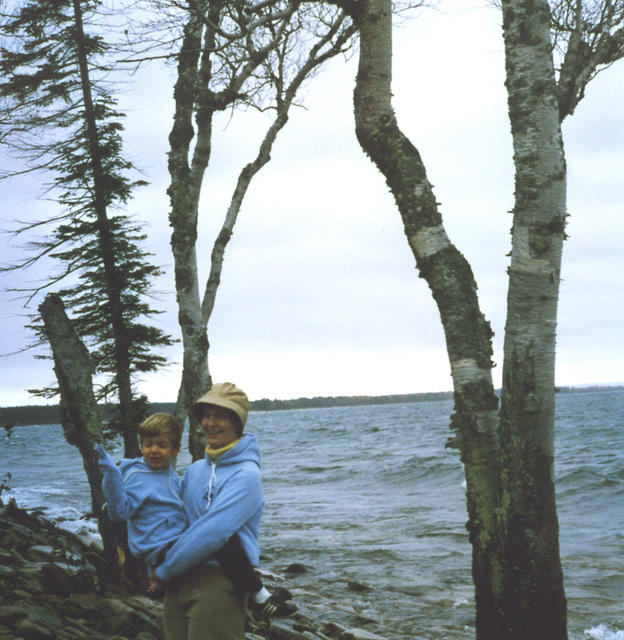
[370, 495]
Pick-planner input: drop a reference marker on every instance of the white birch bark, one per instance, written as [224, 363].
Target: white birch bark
[513, 599]
[528, 398]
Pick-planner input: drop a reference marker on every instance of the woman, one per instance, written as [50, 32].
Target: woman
[223, 496]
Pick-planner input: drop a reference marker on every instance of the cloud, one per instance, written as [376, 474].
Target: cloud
[319, 293]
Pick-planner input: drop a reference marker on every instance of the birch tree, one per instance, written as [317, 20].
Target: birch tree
[232, 54]
[533, 586]
[507, 448]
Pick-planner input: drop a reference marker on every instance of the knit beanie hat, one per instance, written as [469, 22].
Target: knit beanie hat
[227, 395]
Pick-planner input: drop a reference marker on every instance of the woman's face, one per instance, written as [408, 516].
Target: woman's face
[219, 425]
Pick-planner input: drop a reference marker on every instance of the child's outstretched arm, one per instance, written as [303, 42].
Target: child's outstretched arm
[119, 503]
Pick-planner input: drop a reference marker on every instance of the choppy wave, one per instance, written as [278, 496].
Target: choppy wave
[370, 495]
[603, 632]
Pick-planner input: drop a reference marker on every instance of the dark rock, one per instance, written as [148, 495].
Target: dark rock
[118, 616]
[30, 630]
[46, 617]
[84, 582]
[80, 605]
[29, 581]
[131, 616]
[40, 552]
[359, 634]
[283, 630]
[11, 614]
[5, 571]
[296, 568]
[56, 580]
[332, 630]
[282, 594]
[358, 587]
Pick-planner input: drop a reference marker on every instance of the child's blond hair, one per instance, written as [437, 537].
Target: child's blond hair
[161, 424]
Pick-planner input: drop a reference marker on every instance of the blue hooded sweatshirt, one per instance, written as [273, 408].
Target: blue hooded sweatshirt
[147, 499]
[222, 497]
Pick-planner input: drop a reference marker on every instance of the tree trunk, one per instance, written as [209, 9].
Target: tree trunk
[507, 597]
[105, 238]
[82, 428]
[533, 593]
[193, 96]
[184, 192]
[467, 333]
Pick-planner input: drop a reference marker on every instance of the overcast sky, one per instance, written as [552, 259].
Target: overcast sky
[319, 294]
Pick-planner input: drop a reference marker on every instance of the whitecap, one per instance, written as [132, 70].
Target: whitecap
[602, 632]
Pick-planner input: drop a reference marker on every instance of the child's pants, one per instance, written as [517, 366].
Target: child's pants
[201, 605]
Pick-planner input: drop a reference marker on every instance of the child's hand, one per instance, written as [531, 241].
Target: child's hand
[104, 460]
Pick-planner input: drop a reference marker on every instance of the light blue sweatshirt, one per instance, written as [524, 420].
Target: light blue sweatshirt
[222, 497]
[148, 500]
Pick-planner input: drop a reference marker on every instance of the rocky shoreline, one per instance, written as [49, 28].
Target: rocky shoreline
[51, 589]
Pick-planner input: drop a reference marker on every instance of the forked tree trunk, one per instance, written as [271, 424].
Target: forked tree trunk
[193, 96]
[504, 589]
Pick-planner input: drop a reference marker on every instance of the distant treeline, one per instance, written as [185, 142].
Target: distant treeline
[346, 401]
[50, 414]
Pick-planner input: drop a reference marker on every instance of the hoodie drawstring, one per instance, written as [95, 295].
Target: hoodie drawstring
[213, 477]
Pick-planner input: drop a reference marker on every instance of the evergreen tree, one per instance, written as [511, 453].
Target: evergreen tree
[58, 117]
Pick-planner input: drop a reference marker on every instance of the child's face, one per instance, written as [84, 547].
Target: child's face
[157, 451]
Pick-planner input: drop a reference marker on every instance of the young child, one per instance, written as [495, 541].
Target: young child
[145, 493]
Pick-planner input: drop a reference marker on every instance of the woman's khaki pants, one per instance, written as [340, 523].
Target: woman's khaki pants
[201, 605]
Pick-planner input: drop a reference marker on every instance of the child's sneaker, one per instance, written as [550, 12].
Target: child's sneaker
[270, 608]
